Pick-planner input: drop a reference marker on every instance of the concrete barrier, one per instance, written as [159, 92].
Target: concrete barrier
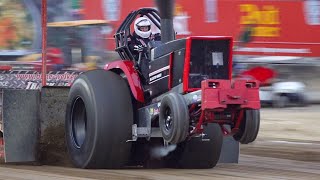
[33, 123]
[52, 115]
[21, 125]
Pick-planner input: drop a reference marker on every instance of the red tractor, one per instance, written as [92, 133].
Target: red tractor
[188, 102]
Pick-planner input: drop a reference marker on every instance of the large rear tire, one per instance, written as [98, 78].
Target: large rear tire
[99, 120]
[249, 127]
[198, 154]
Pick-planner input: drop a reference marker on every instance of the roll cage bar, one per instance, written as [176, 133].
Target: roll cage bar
[123, 32]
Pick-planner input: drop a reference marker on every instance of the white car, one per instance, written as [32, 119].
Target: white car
[282, 94]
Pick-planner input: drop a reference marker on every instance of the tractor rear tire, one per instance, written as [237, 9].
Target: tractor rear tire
[174, 118]
[99, 120]
[197, 153]
[249, 127]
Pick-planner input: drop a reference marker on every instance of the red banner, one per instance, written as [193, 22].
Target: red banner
[283, 27]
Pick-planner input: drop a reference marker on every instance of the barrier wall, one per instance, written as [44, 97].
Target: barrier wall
[21, 125]
[33, 124]
[52, 116]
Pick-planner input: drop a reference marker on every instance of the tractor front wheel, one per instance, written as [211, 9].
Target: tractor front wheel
[249, 127]
[174, 118]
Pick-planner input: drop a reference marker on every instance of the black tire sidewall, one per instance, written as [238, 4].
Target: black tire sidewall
[179, 130]
[109, 120]
[166, 103]
[80, 156]
[249, 127]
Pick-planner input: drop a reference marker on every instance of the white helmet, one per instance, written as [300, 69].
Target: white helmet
[139, 22]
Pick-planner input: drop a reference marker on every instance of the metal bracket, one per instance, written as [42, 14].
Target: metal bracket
[134, 133]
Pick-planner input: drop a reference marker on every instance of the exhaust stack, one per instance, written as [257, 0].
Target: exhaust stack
[165, 8]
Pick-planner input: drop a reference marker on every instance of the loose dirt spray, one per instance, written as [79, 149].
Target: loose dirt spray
[162, 151]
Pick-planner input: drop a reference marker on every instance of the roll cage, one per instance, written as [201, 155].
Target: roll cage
[124, 31]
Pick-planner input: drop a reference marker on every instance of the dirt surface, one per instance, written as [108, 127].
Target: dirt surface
[53, 149]
[290, 133]
[287, 147]
[249, 167]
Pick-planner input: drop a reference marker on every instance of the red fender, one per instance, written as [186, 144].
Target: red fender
[132, 76]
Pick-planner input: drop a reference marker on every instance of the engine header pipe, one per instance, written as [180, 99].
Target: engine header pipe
[165, 8]
[44, 41]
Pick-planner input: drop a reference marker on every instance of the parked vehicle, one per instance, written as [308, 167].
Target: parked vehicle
[273, 91]
[283, 94]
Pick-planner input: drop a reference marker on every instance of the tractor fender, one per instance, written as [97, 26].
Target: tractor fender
[127, 67]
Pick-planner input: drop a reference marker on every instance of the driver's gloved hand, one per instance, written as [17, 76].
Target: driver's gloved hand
[138, 48]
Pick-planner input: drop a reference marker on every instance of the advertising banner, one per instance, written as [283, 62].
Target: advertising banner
[32, 79]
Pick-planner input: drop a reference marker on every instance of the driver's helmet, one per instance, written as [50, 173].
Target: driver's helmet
[142, 27]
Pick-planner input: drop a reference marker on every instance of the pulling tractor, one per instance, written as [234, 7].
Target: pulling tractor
[188, 102]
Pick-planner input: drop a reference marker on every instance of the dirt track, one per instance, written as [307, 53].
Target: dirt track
[288, 147]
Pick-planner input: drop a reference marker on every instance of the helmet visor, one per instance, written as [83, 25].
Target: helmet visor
[144, 28]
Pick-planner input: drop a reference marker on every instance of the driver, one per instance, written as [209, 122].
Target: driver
[138, 43]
